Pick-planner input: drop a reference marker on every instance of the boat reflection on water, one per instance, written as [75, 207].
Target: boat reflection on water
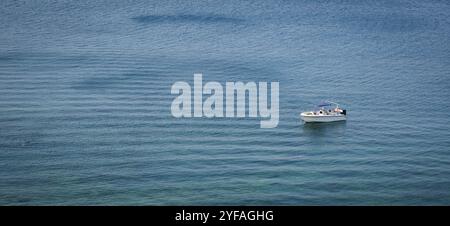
[334, 129]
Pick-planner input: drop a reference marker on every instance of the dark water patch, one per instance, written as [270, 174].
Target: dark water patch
[186, 18]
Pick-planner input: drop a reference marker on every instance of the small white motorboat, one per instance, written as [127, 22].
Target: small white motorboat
[327, 112]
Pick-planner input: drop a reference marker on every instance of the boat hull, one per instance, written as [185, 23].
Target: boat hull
[323, 118]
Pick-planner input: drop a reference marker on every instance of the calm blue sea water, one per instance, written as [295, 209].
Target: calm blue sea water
[85, 102]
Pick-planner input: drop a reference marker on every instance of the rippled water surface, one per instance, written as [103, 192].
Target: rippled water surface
[85, 102]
